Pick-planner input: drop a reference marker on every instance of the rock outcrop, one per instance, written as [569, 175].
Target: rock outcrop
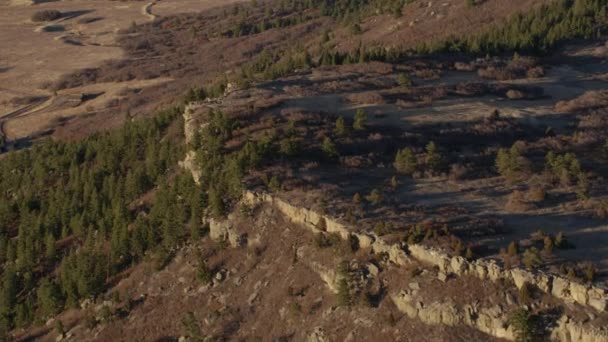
[489, 320]
[559, 287]
[492, 321]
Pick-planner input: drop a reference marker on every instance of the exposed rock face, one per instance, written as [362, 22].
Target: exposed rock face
[492, 321]
[189, 163]
[569, 330]
[559, 287]
[225, 230]
[190, 127]
[489, 320]
[330, 277]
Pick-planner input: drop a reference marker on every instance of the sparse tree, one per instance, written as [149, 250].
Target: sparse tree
[374, 197]
[512, 249]
[531, 258]
[340, 129]
[433, 159]
[404, 80]
[360, 121]
[329, 148]
[524, 326]
[405, 161]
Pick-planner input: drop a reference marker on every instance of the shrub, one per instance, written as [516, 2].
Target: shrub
[340, 129]
[274, 185]
[323, 240]
[360, 121]
[561, 241]
[469, 254]
[405, 161]
[404, 80]
[192, 329]
[357, 198]
[381, 228]
[524, 326]
[601, 209]
[295, 308]
[344, 298]
[590, 272]
[433, 159]
[531, 258]
[289, 147]
[513, 249]
[203, 274]
[329, 148]
[509, 162]
[46, 15]
[548, 245]
[356, 29]
[564, 167]
[583, 187]
[394, 182]
[374, 197]
[536, 194]
[59, 328]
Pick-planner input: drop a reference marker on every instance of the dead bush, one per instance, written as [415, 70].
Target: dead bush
[46, 15]
[458, 172]
[535, 72]
[366, 98]
[516, 203]
[601, 209]
[462, 66]
[536, 194]
[428, 74]
[589, 100]
[514, 94]
[355, 161]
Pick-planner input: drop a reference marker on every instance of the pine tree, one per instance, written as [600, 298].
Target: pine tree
[405, 161]
[329, 148]
[433, 159]
[340, 129]
[360, 121]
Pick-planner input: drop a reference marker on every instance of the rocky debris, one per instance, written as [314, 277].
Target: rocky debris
[372, 270]
[570, 330]
[330, 277]
[558, 286]
[317, 335]
[492, 321]
[226, 231]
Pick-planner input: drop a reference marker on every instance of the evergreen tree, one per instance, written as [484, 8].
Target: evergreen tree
[360, 121]
[329, 148]
[405, 161]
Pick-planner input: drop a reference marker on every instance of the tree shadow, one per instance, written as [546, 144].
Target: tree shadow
[74, 14]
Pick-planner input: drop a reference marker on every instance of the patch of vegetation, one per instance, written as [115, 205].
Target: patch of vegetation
[360, 121]
[525, 326]
[80, 193]
[537, 31]
[192, 328]
[405, 161]
[510, 163]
